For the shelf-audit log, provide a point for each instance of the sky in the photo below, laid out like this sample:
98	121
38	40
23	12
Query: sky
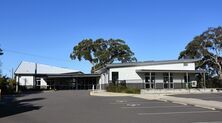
45	31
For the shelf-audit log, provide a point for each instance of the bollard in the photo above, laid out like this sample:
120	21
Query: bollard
92	87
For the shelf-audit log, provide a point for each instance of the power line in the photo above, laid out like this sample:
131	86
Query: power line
35	55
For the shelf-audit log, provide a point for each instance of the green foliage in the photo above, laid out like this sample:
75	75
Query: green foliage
132	90
7	85
101	52
122	89
208	48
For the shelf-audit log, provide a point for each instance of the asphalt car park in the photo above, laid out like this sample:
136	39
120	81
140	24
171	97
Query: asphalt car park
211	96
79	107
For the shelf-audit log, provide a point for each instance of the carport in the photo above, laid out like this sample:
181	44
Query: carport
75	81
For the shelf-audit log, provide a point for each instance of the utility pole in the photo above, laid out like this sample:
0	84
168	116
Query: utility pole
12	73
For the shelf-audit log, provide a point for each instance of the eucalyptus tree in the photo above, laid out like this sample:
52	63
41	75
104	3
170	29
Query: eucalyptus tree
208	48
100	52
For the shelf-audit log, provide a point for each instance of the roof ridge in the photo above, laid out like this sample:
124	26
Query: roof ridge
48	65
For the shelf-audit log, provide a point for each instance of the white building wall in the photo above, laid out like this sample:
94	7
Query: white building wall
129	73
43	82
25	80
29	81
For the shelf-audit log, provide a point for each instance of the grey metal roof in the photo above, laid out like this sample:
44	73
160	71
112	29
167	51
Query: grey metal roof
172	71
151	63
74	75
36	68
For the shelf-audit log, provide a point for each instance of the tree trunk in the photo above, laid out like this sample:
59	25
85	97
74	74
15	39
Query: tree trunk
219	71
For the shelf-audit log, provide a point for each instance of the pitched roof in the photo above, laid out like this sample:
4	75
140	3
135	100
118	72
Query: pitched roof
144	63
30	68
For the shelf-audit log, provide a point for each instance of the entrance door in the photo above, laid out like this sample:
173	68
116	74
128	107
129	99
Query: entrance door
167	80
37	83
115	77
150	80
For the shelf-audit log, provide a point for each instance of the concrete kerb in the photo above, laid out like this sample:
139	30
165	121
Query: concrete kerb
103	93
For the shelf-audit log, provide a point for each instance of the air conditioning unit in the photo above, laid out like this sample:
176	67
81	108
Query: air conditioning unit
194	84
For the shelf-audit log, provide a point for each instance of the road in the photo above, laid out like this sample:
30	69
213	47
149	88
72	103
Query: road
79	107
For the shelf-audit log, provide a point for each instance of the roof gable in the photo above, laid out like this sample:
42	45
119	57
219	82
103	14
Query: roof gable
30	68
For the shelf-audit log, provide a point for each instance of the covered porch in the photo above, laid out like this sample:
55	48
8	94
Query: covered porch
73	82
170	79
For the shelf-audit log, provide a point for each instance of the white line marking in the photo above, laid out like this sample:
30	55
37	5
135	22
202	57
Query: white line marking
135	102
155	107
132	105
121	101
167	113
209	122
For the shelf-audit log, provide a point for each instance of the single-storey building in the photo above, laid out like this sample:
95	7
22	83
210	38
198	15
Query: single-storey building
166	74
152	74
31	75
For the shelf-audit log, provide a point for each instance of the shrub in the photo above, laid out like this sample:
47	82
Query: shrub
122	89
133	90
7	85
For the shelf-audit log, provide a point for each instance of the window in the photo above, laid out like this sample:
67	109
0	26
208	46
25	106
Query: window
185	78
150	84
165	80
171	80
38	82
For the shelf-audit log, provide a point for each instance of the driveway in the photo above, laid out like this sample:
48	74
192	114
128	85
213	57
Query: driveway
79	107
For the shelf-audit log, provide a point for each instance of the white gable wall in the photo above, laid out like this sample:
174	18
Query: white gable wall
29	81
43	82
25	80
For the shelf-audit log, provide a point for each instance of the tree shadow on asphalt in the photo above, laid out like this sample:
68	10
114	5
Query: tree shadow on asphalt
10	106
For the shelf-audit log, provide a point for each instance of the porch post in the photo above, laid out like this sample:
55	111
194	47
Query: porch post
169	80
17	84
204	80
187	84
150	81
100	87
